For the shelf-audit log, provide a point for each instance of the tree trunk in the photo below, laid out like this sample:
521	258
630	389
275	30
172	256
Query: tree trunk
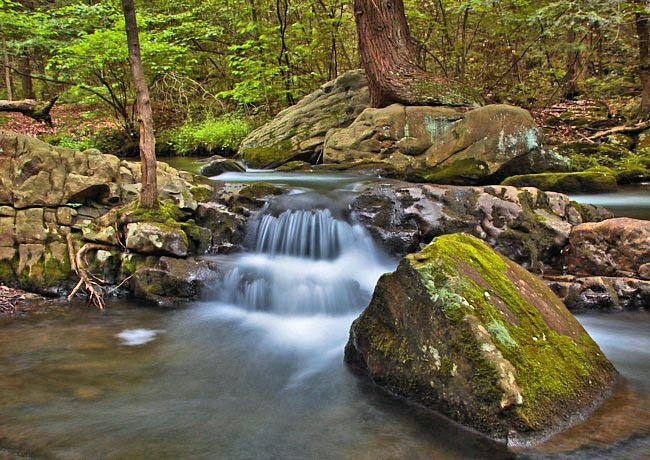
389	57
643	31
26	78
5	63
572	66
26	63
39	111
149	191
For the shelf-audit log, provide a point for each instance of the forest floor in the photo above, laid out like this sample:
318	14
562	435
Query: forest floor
81	126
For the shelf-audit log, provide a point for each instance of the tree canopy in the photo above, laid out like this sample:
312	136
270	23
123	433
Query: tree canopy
209	57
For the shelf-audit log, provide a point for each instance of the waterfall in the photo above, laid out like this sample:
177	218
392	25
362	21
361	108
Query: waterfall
304	261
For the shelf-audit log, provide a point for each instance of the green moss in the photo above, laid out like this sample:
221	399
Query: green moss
7	272
587	181
456	173
259	190
294	166
551	367
56	269
268	156
202	194
165	211
500	332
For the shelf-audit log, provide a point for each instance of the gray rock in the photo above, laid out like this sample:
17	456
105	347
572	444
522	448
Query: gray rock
601	292
174	280
156	238
444	145
526	225
298	132
462	330
218	166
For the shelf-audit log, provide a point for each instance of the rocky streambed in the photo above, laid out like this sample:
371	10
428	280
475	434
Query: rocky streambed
289	260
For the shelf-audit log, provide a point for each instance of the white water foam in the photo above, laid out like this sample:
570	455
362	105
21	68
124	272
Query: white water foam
135	337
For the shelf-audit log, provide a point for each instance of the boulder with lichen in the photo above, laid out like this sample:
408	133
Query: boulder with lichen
462	330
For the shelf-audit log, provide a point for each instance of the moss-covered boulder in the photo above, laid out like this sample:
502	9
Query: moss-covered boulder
174	280
444	145
298	132
156	238
462	330
574	182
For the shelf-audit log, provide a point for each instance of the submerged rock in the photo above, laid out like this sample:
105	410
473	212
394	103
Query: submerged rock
298	132
574	182
444	145
462	330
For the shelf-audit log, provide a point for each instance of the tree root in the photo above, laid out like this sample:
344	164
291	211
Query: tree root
90	282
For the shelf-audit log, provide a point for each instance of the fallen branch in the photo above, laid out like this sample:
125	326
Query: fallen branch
94	295
621	129
39	111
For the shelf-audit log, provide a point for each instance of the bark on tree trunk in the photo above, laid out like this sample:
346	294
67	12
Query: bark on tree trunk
389	57
39	111
573	64
149	191
643	31
26	63
5	63
26	78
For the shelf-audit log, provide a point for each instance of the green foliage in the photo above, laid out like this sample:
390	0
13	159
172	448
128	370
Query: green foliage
209	135
213	57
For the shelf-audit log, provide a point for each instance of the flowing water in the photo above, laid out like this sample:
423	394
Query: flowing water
258	371
630	201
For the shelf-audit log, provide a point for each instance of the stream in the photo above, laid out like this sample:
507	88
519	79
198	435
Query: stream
258	373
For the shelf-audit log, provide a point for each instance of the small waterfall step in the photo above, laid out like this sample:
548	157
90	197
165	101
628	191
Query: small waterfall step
304	261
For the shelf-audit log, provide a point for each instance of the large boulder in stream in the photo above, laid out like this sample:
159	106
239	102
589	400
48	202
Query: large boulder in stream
445	145
298	132
460	329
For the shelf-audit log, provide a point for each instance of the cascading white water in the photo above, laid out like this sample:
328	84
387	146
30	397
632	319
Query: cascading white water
304	262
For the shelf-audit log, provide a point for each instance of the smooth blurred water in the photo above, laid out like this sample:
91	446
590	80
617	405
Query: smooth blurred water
630	201
258	372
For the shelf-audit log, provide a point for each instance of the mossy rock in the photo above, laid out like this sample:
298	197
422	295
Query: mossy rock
576	182
462	330
166	210
460	172
295	166
41	268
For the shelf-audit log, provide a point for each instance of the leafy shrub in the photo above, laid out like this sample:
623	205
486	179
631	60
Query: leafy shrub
224	133
68	141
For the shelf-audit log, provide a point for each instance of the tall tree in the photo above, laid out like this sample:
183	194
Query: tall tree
149	191
26	63
7	69
389	56
643	31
